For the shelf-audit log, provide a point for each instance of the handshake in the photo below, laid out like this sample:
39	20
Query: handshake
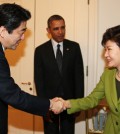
58	105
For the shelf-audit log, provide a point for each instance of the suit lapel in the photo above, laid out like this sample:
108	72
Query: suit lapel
50	51
51	55
113	87
66	54
1	49
5	64
66	50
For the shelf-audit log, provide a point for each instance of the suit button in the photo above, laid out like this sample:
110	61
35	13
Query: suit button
116	110
116	123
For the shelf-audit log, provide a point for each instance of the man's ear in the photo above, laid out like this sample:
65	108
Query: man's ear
48	30
2	31
48	34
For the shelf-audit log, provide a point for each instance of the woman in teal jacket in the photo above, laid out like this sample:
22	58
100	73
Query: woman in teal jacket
109	85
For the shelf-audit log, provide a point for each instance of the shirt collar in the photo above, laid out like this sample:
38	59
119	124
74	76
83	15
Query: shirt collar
3	48
54	43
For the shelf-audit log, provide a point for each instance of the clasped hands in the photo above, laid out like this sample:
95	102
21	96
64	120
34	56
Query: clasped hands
58	105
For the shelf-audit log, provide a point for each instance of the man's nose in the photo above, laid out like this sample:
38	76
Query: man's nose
22	37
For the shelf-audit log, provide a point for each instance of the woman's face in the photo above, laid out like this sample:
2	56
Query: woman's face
112	54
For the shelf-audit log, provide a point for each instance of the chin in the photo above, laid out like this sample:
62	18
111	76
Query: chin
13	48
110	66
60	40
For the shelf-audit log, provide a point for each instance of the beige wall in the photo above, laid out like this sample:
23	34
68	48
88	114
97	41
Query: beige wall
108	16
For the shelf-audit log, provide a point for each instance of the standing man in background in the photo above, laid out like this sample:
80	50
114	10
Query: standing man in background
13	21
58	70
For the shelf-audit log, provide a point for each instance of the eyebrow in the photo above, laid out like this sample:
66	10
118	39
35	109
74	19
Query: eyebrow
24	29
56	28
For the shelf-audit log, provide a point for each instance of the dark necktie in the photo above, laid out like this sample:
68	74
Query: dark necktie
59	58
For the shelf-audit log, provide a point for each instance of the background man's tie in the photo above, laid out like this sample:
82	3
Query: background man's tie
59	58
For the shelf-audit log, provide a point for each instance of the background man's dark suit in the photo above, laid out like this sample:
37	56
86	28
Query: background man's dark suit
48	80
11	94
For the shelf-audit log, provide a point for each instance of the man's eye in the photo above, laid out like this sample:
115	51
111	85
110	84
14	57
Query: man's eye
109	49
55	29
105	49
63	27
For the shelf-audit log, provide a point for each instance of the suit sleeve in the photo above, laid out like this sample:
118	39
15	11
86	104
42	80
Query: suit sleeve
88	102
38	73
79	74
11	94
91	101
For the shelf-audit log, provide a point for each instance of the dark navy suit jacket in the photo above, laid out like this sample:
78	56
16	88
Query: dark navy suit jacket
10	93
48	80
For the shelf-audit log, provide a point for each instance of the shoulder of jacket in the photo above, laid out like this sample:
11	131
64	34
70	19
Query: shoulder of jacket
70	42
43	45
109	71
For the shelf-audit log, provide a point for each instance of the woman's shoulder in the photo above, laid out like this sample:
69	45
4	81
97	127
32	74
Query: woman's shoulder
109	71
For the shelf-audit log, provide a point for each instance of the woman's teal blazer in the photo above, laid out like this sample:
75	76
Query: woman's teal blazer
106	88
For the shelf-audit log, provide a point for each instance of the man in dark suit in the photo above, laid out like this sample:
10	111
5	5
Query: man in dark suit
58	69
13	19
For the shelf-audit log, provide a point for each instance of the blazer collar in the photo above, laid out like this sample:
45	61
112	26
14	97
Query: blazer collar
66	49
1	48
114	92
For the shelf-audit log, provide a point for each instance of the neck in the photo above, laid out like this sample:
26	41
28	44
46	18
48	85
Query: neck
118	70
118	73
